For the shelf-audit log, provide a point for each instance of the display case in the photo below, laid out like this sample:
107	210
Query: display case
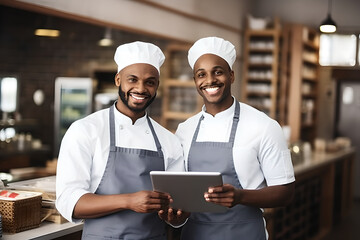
73	100
19	148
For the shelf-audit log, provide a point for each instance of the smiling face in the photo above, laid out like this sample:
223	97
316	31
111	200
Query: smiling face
137	84
213	78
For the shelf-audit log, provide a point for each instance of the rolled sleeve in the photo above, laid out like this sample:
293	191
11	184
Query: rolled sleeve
275	157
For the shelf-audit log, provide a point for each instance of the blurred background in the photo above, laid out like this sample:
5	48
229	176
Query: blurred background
56	66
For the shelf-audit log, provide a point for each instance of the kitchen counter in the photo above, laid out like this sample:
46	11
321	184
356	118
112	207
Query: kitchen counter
323	196
320	159
324	190
47	230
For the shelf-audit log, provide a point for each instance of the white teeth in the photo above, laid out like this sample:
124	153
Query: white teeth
213	89
138	98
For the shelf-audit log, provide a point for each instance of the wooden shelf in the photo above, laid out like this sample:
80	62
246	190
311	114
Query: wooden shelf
28	151
180	99
309	95
263	32
307	125
262	50
261	64
310	79
311	61
16	153
258	94
259	80
26	123
179	83
303	66
311	44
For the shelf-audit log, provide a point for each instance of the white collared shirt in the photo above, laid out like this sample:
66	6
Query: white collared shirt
261	155
85	149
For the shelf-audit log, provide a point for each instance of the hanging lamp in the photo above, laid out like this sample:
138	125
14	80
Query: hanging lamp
47	30
107	40
328	25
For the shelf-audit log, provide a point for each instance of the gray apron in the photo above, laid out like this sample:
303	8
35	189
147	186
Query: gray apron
239	222
127	171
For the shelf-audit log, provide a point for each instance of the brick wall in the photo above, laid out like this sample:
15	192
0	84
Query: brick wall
38	61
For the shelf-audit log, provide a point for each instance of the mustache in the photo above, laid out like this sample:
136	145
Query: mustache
211	85
140	94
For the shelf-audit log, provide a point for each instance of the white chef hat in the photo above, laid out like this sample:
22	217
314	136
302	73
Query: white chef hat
138	52
212	45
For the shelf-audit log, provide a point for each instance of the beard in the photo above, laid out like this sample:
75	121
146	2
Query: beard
125	99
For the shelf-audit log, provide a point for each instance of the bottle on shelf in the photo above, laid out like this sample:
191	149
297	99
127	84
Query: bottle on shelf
180	99
260	70
303	82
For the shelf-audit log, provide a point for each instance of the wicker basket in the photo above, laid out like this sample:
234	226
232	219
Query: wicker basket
21	214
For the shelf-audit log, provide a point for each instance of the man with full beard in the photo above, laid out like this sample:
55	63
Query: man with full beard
105	158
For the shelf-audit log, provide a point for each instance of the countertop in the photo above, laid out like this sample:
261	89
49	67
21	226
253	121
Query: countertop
50	230
319	159
47	230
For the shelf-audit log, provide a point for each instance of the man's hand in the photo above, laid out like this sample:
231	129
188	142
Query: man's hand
226	195
174	217
148	201
267	197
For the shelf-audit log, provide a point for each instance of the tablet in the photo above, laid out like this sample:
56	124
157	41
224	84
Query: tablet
187	189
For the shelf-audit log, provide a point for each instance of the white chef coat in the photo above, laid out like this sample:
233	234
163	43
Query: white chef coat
85	149
261	155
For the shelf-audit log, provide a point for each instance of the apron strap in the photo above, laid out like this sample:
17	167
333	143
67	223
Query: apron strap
112	128
197	129
112	132
235	123
157	142
233	128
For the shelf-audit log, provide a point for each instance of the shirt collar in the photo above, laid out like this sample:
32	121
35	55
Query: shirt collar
125	120
221	115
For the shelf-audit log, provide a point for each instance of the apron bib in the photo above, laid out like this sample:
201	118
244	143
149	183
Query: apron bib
127	171
239	222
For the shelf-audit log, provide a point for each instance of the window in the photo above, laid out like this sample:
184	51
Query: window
8	94
338	50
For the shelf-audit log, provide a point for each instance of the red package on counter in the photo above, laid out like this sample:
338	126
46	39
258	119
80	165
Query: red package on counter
3	193
8	194
13	195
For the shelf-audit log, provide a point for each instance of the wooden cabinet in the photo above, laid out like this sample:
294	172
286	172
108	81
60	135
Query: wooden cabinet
303	82
260	70
180	99
280	76
323	196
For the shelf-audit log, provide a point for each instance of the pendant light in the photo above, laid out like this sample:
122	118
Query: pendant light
107	40
47	30
328	25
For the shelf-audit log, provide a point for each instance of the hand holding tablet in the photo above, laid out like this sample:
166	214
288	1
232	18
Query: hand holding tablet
187	189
